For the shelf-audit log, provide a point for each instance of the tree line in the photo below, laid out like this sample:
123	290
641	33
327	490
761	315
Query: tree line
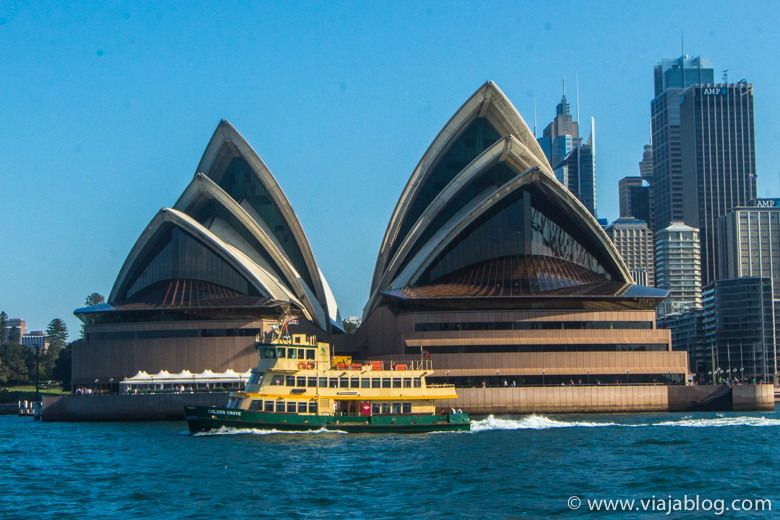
17	361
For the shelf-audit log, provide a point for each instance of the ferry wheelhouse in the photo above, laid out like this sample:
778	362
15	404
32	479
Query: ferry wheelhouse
299	384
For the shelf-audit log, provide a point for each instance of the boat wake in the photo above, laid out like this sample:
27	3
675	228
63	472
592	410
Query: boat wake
540	422
720	422
223	430
530	422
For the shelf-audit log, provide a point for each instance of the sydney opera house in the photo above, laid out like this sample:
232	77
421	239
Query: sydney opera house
206	276
488	264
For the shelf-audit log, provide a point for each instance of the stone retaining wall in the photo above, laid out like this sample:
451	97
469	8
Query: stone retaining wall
147	407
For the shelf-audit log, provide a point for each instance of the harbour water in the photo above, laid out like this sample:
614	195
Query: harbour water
507	467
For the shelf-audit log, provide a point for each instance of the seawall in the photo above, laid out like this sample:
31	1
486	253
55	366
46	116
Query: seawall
519	400
604	399
147	407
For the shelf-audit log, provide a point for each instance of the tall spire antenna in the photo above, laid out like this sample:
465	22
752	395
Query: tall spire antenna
579	171
564	86
535	134
650	126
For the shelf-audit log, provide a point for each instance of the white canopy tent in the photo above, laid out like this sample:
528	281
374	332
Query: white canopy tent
164	380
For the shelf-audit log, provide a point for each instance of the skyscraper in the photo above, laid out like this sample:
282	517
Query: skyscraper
718	159
634	241
561	136
672	77
636	193
749	241
574	165
577	171
739	326
678	267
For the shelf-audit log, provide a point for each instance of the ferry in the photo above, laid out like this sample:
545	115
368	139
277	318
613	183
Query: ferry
300	385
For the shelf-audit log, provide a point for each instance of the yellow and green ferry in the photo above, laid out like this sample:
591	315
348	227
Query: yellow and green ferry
300	385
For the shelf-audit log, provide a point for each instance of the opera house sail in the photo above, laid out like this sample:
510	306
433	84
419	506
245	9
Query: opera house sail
207	275
492	265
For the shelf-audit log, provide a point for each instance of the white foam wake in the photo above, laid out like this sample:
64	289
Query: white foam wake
223	430
530	422
721	422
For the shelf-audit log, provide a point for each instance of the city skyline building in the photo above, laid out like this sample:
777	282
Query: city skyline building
671	78
36	339
646	164
688	335
678	267
717	158
573	163
15	329
739	326
634	241
626	189
749	241
561	136
636	193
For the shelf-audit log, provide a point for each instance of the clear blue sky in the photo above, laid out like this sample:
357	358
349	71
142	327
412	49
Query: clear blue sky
105	111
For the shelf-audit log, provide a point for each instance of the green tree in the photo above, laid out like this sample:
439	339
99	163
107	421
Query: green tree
15	360
4	373
57	336
14	335
349	326
94	299
3	327
62	366
90	301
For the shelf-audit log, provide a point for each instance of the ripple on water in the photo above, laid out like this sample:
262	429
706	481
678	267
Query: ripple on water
526	466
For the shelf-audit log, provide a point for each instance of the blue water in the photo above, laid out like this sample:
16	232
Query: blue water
507	467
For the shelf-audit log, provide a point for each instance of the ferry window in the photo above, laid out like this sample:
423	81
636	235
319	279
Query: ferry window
323	382
312	382
291	353
254	378
256	405
386	382
407	408
291	407
300	381
309	353
290	380
269	406
396	407
407	382
277	380
313	407
354	382
269	353
417	382
376	382
365	382
280	406
302	407
300	353
280	352
334	382
344	382
396	382
375	408
385	407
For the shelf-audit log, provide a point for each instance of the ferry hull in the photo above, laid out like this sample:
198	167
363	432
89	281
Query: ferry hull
202	419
